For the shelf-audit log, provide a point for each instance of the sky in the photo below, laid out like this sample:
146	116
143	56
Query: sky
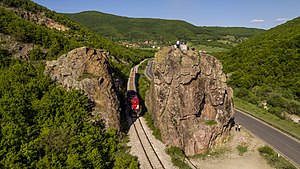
263	14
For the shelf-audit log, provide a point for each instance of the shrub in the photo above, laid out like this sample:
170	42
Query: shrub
177	157
210	122
150	123
273	159
242	148
126	161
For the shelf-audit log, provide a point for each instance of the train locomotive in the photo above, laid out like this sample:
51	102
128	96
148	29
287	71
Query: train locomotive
134	103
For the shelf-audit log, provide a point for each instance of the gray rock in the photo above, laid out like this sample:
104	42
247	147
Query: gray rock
88	70
187	91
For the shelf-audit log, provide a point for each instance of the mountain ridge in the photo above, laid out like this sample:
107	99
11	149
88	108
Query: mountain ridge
160	30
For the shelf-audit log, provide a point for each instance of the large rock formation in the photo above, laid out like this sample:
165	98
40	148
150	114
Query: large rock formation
88	70
189	99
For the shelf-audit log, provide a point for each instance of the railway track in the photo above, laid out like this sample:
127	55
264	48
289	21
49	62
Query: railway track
153	160
150	152
148	157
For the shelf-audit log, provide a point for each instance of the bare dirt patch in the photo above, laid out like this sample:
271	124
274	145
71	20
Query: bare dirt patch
229	157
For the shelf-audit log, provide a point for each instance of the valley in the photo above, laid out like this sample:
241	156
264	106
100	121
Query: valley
147	32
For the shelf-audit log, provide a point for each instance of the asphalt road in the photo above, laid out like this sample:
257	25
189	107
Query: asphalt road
285	145
149	69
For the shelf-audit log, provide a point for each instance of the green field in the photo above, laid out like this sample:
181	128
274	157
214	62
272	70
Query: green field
209	49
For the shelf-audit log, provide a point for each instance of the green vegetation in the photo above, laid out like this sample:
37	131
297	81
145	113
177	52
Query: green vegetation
160	31
155	131
177	157
242	148
209	49
43	125
57	42
125	161
266	68
286	126
142	88
216	152
143	82
210	122
273	159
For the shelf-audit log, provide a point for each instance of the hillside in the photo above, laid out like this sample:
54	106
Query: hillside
159	30
268	65
18	22
43	125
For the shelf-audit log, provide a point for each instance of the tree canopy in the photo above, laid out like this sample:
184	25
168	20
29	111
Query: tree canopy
43	125
268	66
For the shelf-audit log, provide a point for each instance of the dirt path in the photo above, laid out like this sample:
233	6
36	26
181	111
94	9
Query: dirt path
229	157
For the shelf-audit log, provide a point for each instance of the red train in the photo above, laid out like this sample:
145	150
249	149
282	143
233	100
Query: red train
134	103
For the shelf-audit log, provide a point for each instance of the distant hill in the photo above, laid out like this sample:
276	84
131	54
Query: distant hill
161	30
269	65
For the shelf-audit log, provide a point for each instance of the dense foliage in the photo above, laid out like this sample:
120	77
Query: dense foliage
58	42
43	125
159	30
143	86
177	157
266	68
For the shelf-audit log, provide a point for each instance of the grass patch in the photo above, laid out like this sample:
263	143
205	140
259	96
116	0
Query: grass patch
209	49
210	122
142	88
143	66
286	126
274	160
216	152
242	148
150	123
177	157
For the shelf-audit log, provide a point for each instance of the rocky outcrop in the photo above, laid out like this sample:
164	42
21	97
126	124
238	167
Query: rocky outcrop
88	70
39	18
189	100
17	49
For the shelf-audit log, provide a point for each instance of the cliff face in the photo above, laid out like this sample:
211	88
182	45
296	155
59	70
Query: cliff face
189	99
88	70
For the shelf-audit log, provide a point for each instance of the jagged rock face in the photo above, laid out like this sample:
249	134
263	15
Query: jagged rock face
188	92
88	70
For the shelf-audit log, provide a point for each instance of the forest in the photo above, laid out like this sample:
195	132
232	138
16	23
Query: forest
57	42
160	30
43	125
266	68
